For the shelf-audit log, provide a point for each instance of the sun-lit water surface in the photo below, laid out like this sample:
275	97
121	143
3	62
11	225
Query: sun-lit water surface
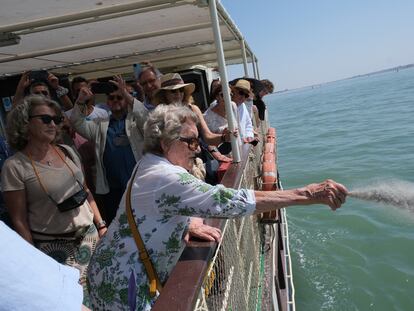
358	132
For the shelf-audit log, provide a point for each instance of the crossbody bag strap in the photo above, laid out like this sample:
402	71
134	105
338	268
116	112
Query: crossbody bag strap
154	282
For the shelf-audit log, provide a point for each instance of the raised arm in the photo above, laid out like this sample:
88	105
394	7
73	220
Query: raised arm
86	128
120	83
61	92
24	82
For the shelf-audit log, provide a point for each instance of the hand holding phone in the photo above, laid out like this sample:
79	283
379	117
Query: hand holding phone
137	70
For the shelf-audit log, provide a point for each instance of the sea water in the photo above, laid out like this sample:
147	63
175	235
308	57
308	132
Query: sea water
359	132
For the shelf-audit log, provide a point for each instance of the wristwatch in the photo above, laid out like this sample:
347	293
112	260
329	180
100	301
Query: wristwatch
101	224
61	91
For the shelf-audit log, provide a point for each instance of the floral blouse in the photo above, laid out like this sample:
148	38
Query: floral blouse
163	198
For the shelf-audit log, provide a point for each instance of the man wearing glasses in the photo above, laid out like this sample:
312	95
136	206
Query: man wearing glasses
118	143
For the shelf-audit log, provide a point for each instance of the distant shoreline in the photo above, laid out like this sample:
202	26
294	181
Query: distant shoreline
398	68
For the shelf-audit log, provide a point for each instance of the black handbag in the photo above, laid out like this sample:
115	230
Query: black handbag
74	200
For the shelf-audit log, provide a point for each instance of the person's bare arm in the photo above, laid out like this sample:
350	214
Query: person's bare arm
16	206
209	137
61	92
24	82
97	218
328	192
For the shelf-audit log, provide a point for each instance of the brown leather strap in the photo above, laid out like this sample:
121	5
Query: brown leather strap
154	282
38	176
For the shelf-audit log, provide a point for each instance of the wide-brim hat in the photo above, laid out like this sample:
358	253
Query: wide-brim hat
173	81
243	85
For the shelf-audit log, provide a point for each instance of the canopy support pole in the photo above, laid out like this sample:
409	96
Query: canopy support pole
243	46
254	65
257	68
224	81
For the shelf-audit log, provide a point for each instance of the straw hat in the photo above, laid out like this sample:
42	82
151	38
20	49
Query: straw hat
173	81
243	85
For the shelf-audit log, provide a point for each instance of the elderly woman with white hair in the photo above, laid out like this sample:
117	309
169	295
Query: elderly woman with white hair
160	199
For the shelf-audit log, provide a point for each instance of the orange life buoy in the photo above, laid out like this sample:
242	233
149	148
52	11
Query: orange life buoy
269	157
271	131
269	176
269	148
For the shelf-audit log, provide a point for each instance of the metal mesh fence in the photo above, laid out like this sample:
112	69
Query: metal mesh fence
233	280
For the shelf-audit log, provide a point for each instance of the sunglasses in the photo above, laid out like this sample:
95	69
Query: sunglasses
192	142
180	90
44	93
47	119
222	95
241	93
113	97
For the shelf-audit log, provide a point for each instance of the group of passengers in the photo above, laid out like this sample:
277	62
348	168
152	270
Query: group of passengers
83	179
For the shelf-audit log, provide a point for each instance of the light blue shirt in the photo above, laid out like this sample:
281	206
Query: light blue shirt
31	280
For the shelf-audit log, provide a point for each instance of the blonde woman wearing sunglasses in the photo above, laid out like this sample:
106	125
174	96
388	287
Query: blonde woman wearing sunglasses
44	190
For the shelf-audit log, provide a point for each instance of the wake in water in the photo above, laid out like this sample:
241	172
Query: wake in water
394	192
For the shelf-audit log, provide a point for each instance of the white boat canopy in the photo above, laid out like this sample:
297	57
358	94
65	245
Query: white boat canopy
97	38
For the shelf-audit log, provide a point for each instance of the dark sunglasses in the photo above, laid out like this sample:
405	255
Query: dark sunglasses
241	93
113	97
222	95
180	90
47	119
44	93
191	142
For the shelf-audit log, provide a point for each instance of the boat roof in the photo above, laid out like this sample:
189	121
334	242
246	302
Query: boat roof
97	38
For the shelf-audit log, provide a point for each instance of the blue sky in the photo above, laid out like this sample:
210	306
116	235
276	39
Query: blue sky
306	42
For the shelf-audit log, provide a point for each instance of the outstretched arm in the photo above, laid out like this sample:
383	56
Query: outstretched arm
328	192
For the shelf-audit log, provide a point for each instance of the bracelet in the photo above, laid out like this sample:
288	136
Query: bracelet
100	225
61	91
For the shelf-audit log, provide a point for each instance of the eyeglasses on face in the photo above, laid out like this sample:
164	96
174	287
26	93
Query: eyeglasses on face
47	119
180	90
222	95
44	93
192	142
113	97
241	93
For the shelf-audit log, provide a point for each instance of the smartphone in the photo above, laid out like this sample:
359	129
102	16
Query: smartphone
137	70
38	75
103	87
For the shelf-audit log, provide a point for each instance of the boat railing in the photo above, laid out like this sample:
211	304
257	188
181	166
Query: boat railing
249	269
